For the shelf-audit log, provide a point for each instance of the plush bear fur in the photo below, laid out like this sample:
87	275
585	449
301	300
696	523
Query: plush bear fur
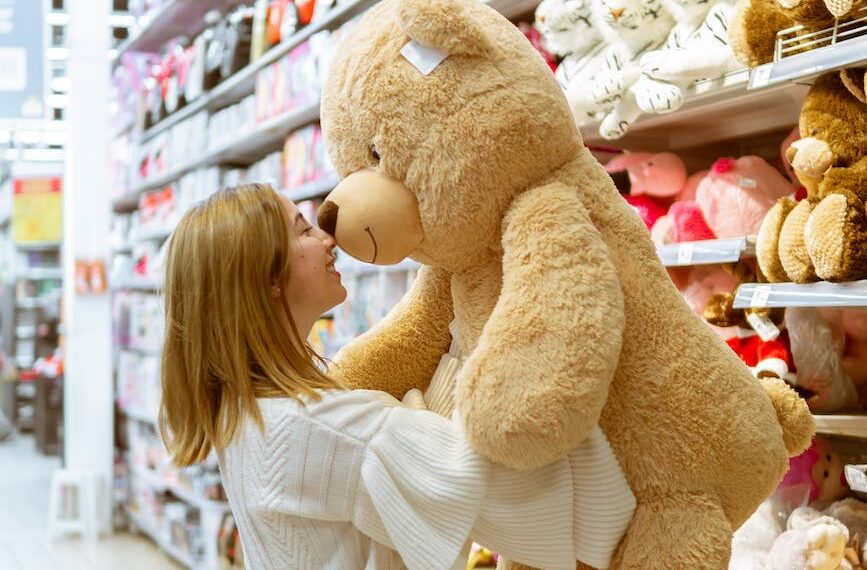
755	23
825	235
565	314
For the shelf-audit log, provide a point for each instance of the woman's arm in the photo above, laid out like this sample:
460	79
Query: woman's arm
419	488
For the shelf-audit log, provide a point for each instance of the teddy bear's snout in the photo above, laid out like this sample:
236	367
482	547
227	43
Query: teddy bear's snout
327	217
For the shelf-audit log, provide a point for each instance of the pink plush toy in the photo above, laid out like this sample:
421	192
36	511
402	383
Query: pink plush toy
736	194
648	209
855	352
661	175
688	223
815	475
691	186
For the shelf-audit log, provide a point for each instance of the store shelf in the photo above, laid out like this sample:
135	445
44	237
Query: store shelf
706	116
821	294
155	233
170	549
243	83
31	303
140	416
153	480
707	252
175	18
846	425
38	273
317	189
249	147
38	246
804	67
139	285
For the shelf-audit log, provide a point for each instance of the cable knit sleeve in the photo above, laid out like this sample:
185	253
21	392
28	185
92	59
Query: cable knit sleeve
418	488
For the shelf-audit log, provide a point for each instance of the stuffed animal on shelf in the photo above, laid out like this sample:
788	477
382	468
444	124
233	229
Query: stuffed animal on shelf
813	541
575	30
565	315
704	54
636	26
855	81
652	181
815	476
817	345
737	193
755	23
825	235
688	16
852	513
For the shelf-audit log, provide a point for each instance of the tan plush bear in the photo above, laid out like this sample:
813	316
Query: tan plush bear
825	235
458	149
755	23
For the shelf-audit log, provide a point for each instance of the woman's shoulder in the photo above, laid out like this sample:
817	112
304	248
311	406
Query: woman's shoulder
357	414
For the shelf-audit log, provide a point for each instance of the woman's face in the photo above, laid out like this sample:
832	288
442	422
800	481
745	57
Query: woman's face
314	285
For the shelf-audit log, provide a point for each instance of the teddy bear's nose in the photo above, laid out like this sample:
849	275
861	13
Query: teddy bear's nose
327	217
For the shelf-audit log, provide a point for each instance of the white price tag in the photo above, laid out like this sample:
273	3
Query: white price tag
764	327
761	75
685	252
749	183
424	58
856	477
760	296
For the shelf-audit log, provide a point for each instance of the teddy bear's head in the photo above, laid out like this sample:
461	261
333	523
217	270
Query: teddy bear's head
833	124
436	113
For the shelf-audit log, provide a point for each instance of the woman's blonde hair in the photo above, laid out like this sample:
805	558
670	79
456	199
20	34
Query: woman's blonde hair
227	339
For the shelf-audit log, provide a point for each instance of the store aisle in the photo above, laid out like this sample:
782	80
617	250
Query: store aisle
25	477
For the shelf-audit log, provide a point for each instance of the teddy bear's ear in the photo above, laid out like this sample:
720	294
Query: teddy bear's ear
447	25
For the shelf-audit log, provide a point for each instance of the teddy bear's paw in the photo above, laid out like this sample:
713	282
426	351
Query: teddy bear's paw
836	238
768	238
659	97
826	545
793	246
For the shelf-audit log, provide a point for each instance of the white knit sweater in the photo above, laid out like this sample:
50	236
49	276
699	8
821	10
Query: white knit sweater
350	482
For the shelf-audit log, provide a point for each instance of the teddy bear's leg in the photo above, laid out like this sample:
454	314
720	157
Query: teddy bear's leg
836	237
793	245
688	530
768	241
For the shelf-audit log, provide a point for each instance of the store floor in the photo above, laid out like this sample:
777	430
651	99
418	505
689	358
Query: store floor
25	477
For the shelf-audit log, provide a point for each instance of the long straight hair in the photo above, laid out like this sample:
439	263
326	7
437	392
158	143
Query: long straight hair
228	340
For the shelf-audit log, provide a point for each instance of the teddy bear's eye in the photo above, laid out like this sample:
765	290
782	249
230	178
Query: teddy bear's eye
373	153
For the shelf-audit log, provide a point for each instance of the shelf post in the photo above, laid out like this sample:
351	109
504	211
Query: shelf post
88	390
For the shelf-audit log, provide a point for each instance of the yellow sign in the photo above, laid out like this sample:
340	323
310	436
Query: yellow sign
37	210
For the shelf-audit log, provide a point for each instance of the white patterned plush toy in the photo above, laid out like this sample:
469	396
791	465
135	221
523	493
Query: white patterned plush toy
573	29
638	26
705	53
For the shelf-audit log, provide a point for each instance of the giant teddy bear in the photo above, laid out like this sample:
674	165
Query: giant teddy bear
457	148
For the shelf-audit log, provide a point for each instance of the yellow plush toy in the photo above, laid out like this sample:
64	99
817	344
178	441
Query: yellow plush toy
457	148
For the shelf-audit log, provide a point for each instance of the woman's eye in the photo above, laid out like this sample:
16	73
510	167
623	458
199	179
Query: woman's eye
373	153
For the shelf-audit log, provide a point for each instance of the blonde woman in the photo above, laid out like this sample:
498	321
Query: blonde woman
322	477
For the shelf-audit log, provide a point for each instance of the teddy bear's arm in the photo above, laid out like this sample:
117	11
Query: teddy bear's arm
403	350
852	179
537	381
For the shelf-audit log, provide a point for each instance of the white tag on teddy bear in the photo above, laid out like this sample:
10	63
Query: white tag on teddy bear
424	58
764	327
748	183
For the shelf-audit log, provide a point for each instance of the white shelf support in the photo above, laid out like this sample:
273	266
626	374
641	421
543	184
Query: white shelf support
821	294
88	389
706	252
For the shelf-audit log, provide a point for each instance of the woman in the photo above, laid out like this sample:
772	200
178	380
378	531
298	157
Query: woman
322	477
